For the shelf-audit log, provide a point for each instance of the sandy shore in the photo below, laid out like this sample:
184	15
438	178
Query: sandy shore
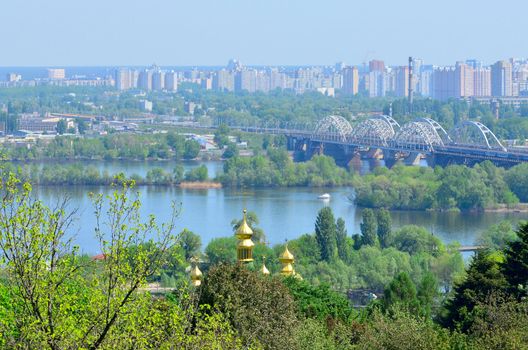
200	185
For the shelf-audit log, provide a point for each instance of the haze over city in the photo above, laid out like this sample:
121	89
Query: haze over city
273	32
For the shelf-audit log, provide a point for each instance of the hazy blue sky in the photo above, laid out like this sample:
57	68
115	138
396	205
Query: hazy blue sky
209	32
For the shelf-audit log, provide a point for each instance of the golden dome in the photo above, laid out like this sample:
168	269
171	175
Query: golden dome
286	256
287	260
246	243
196	276
264	269
287	270
244	231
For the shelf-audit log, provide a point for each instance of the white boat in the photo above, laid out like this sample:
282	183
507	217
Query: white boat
324	196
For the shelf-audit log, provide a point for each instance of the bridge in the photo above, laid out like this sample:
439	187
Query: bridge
382	137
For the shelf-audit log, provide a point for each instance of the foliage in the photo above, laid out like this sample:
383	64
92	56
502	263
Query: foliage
483	279
280	170
497	236
65	300
191	243
453	187
369	228
384	227
258	307
325	233
319	302
515	267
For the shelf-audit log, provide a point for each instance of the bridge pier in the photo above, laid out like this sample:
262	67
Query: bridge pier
413	158
390	158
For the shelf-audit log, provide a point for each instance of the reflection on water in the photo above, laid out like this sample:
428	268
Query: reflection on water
283	213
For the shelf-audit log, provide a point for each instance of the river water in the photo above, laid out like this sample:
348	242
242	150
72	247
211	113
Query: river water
284	213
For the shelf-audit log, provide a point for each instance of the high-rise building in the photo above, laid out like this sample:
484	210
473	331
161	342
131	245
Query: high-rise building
56	73
158	80
425	83
171	81
473	63
123	79
350	80
463	80
145	80
245	80
482	82
501	79
376	66
277	79
206	83
444	83
402	81
377	84
224	80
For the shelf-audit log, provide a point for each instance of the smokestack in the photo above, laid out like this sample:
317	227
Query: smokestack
410	85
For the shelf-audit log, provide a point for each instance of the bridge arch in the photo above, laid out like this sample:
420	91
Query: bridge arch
421	134
378	130
333	126
475	134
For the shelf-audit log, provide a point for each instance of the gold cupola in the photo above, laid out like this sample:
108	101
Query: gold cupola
287	260
264	270
245	244
196	276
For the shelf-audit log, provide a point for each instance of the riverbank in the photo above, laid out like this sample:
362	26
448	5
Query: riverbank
200	185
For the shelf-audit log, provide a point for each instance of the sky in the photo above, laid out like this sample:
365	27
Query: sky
258	32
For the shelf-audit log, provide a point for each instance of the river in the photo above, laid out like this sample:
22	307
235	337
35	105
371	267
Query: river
284	213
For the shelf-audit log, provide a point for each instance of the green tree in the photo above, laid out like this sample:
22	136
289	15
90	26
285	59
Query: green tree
62	126
81	126
401	292
515	267
222	249
191	149
71	302
483	278
384	227
344	243
191	243
258	307
369	228
230	151
496	237
199	173
325	232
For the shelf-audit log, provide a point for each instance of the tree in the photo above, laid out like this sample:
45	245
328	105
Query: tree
515	267
192	149
401	292
71	301
258	307
222	249
496	237
197	174
231	151
384	227
415	239
369	228
81	126
178	173
344	243
191	243
325	232
483	278
62	127
427	293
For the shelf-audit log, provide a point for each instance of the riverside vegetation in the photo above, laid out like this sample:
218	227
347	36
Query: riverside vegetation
53	297
459	187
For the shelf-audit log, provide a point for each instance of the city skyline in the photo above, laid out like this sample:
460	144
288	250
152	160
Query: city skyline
274	32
